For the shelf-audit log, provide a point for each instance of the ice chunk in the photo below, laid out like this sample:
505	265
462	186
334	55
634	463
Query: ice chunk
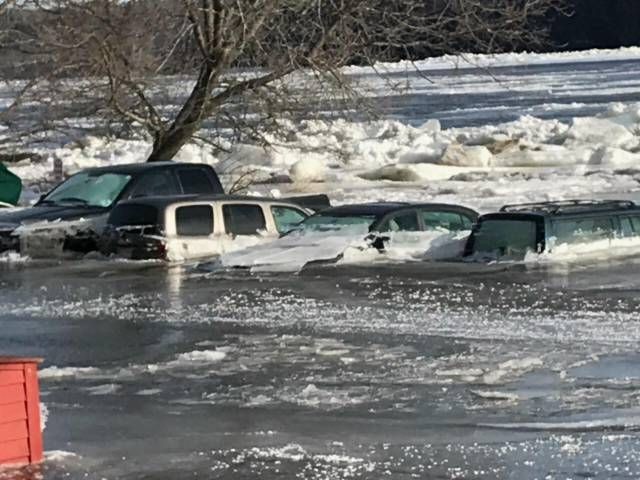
599	131
615	157
464	156
308	170
393	173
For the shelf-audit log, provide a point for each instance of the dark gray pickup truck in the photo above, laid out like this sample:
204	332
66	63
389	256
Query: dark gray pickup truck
71	217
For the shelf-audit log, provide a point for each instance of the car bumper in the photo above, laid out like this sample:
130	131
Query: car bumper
133	246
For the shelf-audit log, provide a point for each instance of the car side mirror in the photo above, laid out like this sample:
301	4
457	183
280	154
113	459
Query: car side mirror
378	241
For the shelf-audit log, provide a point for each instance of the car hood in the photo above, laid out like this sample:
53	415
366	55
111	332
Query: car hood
292	252
15	217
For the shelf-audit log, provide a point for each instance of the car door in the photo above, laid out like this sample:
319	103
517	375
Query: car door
193	232
245	225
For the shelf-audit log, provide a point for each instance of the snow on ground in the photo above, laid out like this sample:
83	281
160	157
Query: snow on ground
471	60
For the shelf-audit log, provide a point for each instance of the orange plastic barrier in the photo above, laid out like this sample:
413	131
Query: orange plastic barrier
20	433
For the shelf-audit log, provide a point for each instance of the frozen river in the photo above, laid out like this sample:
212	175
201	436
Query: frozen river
420	371
468	96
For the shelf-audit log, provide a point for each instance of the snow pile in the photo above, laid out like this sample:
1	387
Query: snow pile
98	152
342	152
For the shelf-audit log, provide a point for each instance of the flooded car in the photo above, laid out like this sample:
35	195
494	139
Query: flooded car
325	236
185	228
71	217
538	228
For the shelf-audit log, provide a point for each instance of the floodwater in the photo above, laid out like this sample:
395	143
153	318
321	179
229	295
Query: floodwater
398	371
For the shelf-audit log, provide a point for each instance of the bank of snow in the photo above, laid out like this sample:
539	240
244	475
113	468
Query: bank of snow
479	60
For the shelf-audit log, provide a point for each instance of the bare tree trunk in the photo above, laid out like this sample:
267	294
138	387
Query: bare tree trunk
168	143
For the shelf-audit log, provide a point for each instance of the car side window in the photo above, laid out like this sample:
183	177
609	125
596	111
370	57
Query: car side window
155	183
194	221
451	221
583	229
626	227
243	219
286	218
635	222
195	180
402	222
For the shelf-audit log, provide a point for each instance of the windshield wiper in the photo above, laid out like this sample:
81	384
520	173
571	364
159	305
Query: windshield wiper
74	200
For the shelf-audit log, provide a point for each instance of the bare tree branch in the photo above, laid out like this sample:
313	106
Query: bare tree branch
168	69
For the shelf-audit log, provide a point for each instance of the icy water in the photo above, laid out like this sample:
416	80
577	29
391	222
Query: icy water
401	371
471	96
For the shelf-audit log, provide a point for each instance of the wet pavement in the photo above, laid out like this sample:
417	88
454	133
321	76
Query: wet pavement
399	371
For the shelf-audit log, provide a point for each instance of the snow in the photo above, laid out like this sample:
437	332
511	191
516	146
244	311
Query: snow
44	416
308	170
54	372
596	250
292	252
59	456
199	356
506	60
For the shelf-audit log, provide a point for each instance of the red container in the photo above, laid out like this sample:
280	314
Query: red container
20	434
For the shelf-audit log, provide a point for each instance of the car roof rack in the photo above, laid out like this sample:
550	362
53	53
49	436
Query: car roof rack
568	206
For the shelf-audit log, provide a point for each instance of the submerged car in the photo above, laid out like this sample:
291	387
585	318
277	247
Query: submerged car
393	217
190	227
324	237
517	230
72	215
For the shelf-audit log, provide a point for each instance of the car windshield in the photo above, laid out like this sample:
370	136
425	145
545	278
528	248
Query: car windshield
89	189
324	222
505	238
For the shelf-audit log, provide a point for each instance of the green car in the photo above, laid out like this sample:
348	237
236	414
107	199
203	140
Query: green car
10	187
537	227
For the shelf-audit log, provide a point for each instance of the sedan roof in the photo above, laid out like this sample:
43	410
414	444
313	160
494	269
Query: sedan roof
379	209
